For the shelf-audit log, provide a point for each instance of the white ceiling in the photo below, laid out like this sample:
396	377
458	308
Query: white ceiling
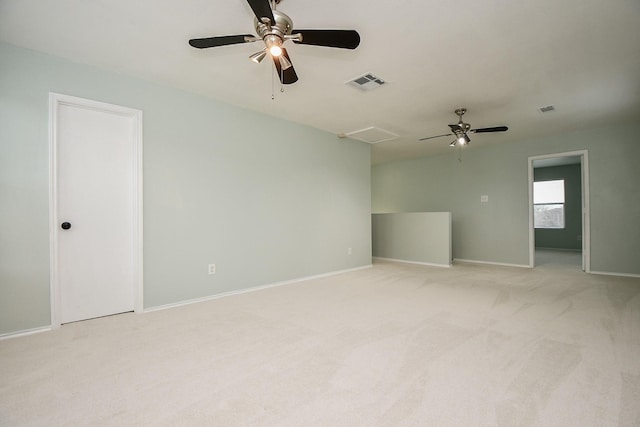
501	60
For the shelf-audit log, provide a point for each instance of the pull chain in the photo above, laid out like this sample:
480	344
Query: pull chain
273	79
273	97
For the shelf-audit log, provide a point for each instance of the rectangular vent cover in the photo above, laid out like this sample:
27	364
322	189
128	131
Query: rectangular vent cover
372	135
366	82
547	109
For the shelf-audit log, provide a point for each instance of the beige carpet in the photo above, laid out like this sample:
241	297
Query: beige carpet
394	345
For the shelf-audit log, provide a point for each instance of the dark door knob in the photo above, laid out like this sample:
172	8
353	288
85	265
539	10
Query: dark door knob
65	225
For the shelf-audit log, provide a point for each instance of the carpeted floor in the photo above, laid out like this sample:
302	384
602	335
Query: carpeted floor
567	260
393	345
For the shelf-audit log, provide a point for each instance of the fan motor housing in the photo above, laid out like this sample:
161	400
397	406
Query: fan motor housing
283	26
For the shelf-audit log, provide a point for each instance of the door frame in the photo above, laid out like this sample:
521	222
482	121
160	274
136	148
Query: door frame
55	101
586	209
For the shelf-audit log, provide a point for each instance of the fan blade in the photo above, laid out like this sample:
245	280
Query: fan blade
219	41
493	129
431	137
344	39
262	9
288	75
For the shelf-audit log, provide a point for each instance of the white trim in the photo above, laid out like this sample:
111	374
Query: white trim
586	207
586	214
502	264
54	295
138	158
252	289
428	264
25	332
558	249
56	100
611	273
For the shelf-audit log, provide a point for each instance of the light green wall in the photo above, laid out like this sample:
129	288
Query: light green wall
569	237
265	199
498	231
422	237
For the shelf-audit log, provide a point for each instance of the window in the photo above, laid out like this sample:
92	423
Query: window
548	204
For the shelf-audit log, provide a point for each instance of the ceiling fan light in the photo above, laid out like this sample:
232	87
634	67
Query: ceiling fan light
461	139
274	44
275	50
284	62
258	56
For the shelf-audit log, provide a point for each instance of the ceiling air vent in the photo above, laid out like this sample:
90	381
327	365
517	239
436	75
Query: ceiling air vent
366	82
547	109
372	135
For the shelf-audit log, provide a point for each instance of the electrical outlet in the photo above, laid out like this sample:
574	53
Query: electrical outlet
349	251
212	269
484	199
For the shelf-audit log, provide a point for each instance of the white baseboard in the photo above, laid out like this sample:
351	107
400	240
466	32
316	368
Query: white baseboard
473	261
253	289
612	273
25	332
429	264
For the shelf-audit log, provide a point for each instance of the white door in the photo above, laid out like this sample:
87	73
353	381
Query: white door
96	190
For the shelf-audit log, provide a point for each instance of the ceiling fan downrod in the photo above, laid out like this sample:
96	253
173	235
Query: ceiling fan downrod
461	129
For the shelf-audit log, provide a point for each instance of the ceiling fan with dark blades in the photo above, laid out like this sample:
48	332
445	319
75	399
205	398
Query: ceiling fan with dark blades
274	28
461	129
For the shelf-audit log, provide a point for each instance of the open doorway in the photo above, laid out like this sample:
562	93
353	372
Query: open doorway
559	210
